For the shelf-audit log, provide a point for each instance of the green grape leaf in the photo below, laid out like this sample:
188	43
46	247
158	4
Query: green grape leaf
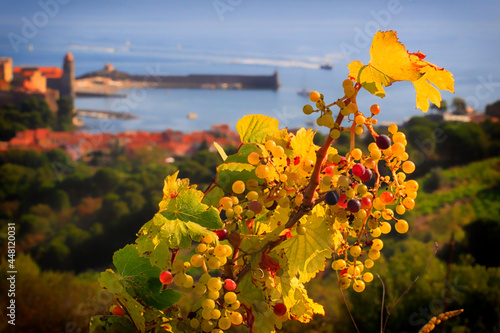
161	233
241	156
110	281
255	128
228	173
213	196
139	275
188	207
100	324
307	253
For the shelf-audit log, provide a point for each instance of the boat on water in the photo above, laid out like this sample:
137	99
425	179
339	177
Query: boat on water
192	115
303	92
326	66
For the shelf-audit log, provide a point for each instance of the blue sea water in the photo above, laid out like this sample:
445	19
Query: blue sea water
258	38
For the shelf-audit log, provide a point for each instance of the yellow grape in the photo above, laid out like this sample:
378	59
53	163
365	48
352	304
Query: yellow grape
359	130
355	251
270	144
376	154
308	165
352	108
207	238
229	250
278	152
401	226
215	314
375	232
401	176
200	289
404	156
372	146
393	128
368	277
412	185
213	263
409	203
262	171
339	264
213	294
235	305
346	83
358	286
224	323
385	227
204	278
377	244
400	209
252	184
308	109
369	263
188	282
197	260
378	204
360	119
356	153
208	304
220	251
230	297
335	134
314	96
238	210
206	314
178	265
194	323
253	158
387	214
408	167
344	282
238	187
374	254
207	325
236	318
398	149
349	91
355	271
226	203
328	121
252	196
399	137
214	284
179	279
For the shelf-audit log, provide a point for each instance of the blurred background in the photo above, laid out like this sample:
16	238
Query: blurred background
100	100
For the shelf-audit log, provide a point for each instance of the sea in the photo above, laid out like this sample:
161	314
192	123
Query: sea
158	109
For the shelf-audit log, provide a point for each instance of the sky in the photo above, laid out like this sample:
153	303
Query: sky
462	36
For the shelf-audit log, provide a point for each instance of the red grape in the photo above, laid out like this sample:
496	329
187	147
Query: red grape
166	277
383	141
279	309
367	175
366	203
221	234
354	205
117	311
229	284
358	169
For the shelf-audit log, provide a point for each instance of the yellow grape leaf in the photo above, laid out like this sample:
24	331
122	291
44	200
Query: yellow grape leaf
391	62
221	151
307	253
296	299
171	187
256	127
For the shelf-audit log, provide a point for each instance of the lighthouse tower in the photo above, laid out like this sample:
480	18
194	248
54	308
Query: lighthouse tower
67	86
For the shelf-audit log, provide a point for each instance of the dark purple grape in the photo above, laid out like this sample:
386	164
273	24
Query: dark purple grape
353	205
358	169
367	175
221	234
331	198
383	141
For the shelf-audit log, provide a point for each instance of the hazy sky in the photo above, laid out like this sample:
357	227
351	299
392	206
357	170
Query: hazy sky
462	36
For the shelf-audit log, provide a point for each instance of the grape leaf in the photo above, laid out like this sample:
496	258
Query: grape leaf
161	233
110	281
171	187
111	324
221	151
307	253
213	196
187	207
296	299
228	173
252	296
391	62
241	156
256	128
138	275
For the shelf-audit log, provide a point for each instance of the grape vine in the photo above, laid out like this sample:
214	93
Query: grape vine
278	211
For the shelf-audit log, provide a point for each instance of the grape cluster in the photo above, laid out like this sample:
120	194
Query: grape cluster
362	190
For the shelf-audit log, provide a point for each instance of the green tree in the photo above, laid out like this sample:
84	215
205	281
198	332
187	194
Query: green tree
459	106
65	114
